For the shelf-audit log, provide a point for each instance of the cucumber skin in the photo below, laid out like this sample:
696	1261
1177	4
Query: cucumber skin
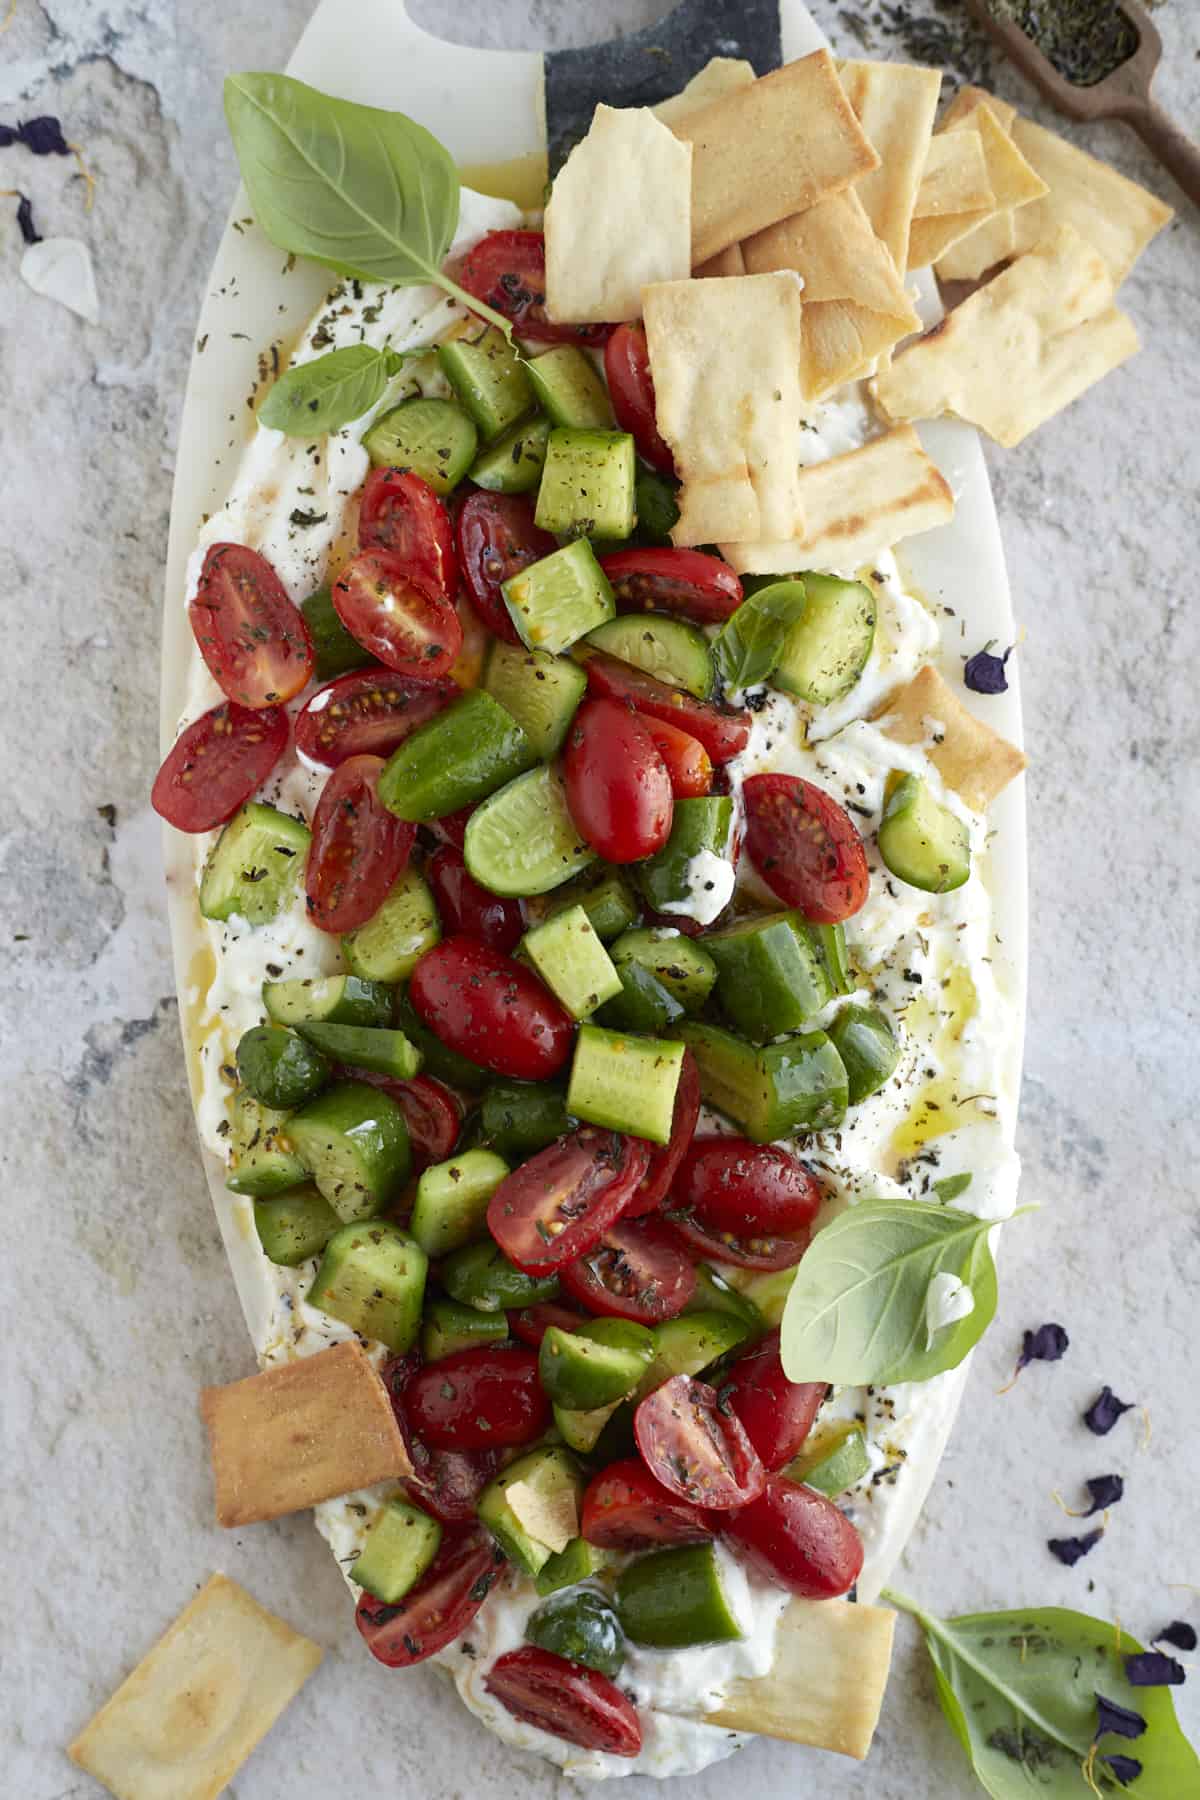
418	1535
514	463
912	812
278	1068
866	1043
673	1598
358	1001
459	758
368	1312
377	1131
292	1228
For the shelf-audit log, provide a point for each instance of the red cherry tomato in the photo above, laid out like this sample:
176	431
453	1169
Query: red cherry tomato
497	538
483	1399
637	1271
687	582
531	1323
666	1158
805	847
723	732
744	1253
410	630
631	390
447	1483
696	1449
799	1539
625	1508
507	270
253	640
216	763
453	828
367	713
440	1607
358	848
777	1413
430	1111
689	765
491	1009
618	789
749	1190
559	1203
565	1699
401	513
464	906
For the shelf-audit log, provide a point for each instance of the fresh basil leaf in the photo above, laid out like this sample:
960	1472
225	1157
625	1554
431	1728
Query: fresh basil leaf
749	644
856	1310
320	395
1020	1690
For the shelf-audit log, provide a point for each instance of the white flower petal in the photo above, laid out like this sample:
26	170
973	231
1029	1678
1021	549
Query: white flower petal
60	268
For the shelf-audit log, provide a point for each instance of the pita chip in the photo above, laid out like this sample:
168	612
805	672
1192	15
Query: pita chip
763	152
725	357
995	240
971	758
855	505
1019	349
725	262
181	1726
720	75
629	166
955	196
1116	216
895	104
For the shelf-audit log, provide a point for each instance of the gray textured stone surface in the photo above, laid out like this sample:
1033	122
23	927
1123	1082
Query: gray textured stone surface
116	1298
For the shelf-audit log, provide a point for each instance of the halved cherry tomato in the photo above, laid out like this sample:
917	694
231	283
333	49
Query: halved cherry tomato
695	1448
358	848
401	513
559	1203
531	1323
689	583
464	906
367	713
491	1009
723	732
805	847
637	1271
625	1508
688	762
497	538
447	1483
216	763
507	270
254	641
452	829
749	1190
408	628
484	1399
799	1539
666	1158
440	1607
777	1413
744	1253
631	390
565	1699
430	1111
618	789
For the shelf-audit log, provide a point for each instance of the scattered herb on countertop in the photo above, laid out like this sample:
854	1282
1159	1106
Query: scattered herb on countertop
1104	1412
1084	39
1070	1550
985	673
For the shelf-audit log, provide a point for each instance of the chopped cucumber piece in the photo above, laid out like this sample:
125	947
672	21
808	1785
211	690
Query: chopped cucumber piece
395	938
714	1293
336	652
830	941
450	1209
539	690
572	961
482	1276
795	1086
278	1068
578	1562
570	390
254	866
489	379
588	485
580	1431
519	1118
460	757
684	967
372	1278
551	1473
587	1369
365	1047
560	598
434	438
400	1546
866	1043
767	1292
523	839
294	1227
583	1627
673	1598
354	1143
448	1328
514	463
609	903
825	651
626	1083
771	977
644	1004
669	649
922	842
262	1159
657	507
338	999
833	1463
439	1059
699	826
688	1344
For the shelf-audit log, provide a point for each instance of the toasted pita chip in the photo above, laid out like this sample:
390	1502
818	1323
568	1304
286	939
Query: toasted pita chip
769	150
629	166
971	758
855	505
895	104
955	196
302	1432
855	304
550	1519
1116	216
725	357
726	262
181	1726
1018	350
995	240
720	75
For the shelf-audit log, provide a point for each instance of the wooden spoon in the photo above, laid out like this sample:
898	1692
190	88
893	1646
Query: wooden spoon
1125	94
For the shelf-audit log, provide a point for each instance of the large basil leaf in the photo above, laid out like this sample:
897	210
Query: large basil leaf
330	391
749	644
1020	1690
856	1310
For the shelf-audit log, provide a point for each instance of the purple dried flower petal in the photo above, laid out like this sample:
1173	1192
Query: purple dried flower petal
1069	1549
1047	1344
1153	1668
1104	1412
1121	1721
8	135
44	136
28	229
1125	1768
1105	1490
1180	1634
984	672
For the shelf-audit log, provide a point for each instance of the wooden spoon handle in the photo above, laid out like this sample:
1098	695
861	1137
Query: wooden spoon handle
1173	148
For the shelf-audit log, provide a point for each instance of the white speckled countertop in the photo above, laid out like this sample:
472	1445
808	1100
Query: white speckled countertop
117	1303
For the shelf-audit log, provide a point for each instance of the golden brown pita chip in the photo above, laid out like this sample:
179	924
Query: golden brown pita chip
1019	349
971	758
895	104
995	240
726	262
1116	216
299	1433
769	150
181	1726
954	197
720	75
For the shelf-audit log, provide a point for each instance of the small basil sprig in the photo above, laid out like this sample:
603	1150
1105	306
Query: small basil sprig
749	644
331	390
369	193
1020	1690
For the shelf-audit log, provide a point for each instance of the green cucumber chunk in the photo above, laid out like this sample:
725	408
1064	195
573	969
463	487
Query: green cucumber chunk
669	649
559	599
688	1344
254	866
278	1068
519	1118
583	1627
436	439
489	379
372	1278
797	1085
580	1431
336	652
683	966
370	1047
353	1141
439	1059
771	978
539	690
921	841
866	1043
831	1469
767	1291
262	1159
514	463
582	1374
657	507
714	1294
449	1327
294	1227
625	1082
460	757
523	840
395	938
482	1276
399	1547
450	1209
644	1004
701	825
825	651
587	485
830	942
609	903
673	1598
572	961
553	1474
579	1561
569	389
338	999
